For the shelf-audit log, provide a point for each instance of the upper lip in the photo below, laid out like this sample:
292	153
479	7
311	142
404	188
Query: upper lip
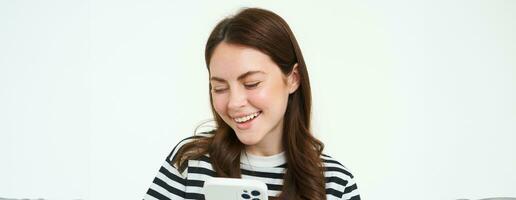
243	115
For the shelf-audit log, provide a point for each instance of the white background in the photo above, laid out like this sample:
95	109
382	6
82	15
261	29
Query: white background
417	98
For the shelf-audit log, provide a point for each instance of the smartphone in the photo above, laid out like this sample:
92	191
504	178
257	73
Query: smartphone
234	189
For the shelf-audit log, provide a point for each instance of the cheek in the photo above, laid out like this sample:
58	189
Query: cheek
219	103
266	97
259	97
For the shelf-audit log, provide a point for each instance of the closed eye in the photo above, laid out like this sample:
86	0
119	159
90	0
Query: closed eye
252	85
221	90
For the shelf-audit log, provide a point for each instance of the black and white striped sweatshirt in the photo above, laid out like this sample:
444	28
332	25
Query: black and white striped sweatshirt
169	183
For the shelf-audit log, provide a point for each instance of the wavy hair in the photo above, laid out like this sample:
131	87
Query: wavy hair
269	33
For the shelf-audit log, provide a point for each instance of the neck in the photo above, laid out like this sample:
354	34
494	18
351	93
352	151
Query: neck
258	151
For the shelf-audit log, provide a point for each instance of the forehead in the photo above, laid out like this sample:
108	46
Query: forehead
229	61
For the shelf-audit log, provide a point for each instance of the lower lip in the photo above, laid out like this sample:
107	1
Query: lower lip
247	124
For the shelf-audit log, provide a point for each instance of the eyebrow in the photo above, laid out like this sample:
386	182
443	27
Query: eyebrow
242	76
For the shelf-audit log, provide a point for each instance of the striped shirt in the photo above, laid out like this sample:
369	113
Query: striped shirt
171	184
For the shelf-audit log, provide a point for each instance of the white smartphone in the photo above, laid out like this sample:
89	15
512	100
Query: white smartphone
234	189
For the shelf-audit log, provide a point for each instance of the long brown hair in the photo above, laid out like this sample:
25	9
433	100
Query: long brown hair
269	33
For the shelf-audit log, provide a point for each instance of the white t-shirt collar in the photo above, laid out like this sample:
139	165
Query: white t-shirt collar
263	161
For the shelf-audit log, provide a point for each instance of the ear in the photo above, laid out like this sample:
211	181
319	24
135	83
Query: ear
293	79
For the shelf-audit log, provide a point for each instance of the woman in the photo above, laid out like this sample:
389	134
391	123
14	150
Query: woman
260	97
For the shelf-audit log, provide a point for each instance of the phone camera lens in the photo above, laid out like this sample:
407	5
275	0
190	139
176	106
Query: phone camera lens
255	193
246	196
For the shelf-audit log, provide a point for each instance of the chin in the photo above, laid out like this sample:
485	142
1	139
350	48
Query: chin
248	140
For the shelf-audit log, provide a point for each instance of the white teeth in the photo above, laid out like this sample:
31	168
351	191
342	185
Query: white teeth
246	118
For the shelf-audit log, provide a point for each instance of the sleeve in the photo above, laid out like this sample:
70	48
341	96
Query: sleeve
351	191
169	183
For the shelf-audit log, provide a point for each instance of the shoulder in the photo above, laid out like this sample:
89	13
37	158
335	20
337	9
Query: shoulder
171	156
336	173
340	182
332	165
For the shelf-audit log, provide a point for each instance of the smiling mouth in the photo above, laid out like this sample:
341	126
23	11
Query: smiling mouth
247	118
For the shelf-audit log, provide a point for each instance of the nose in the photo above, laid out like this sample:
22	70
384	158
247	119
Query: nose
237	99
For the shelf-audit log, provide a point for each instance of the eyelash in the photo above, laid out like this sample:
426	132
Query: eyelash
248	86
219	90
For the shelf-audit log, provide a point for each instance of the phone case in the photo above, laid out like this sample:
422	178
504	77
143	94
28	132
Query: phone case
234	189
